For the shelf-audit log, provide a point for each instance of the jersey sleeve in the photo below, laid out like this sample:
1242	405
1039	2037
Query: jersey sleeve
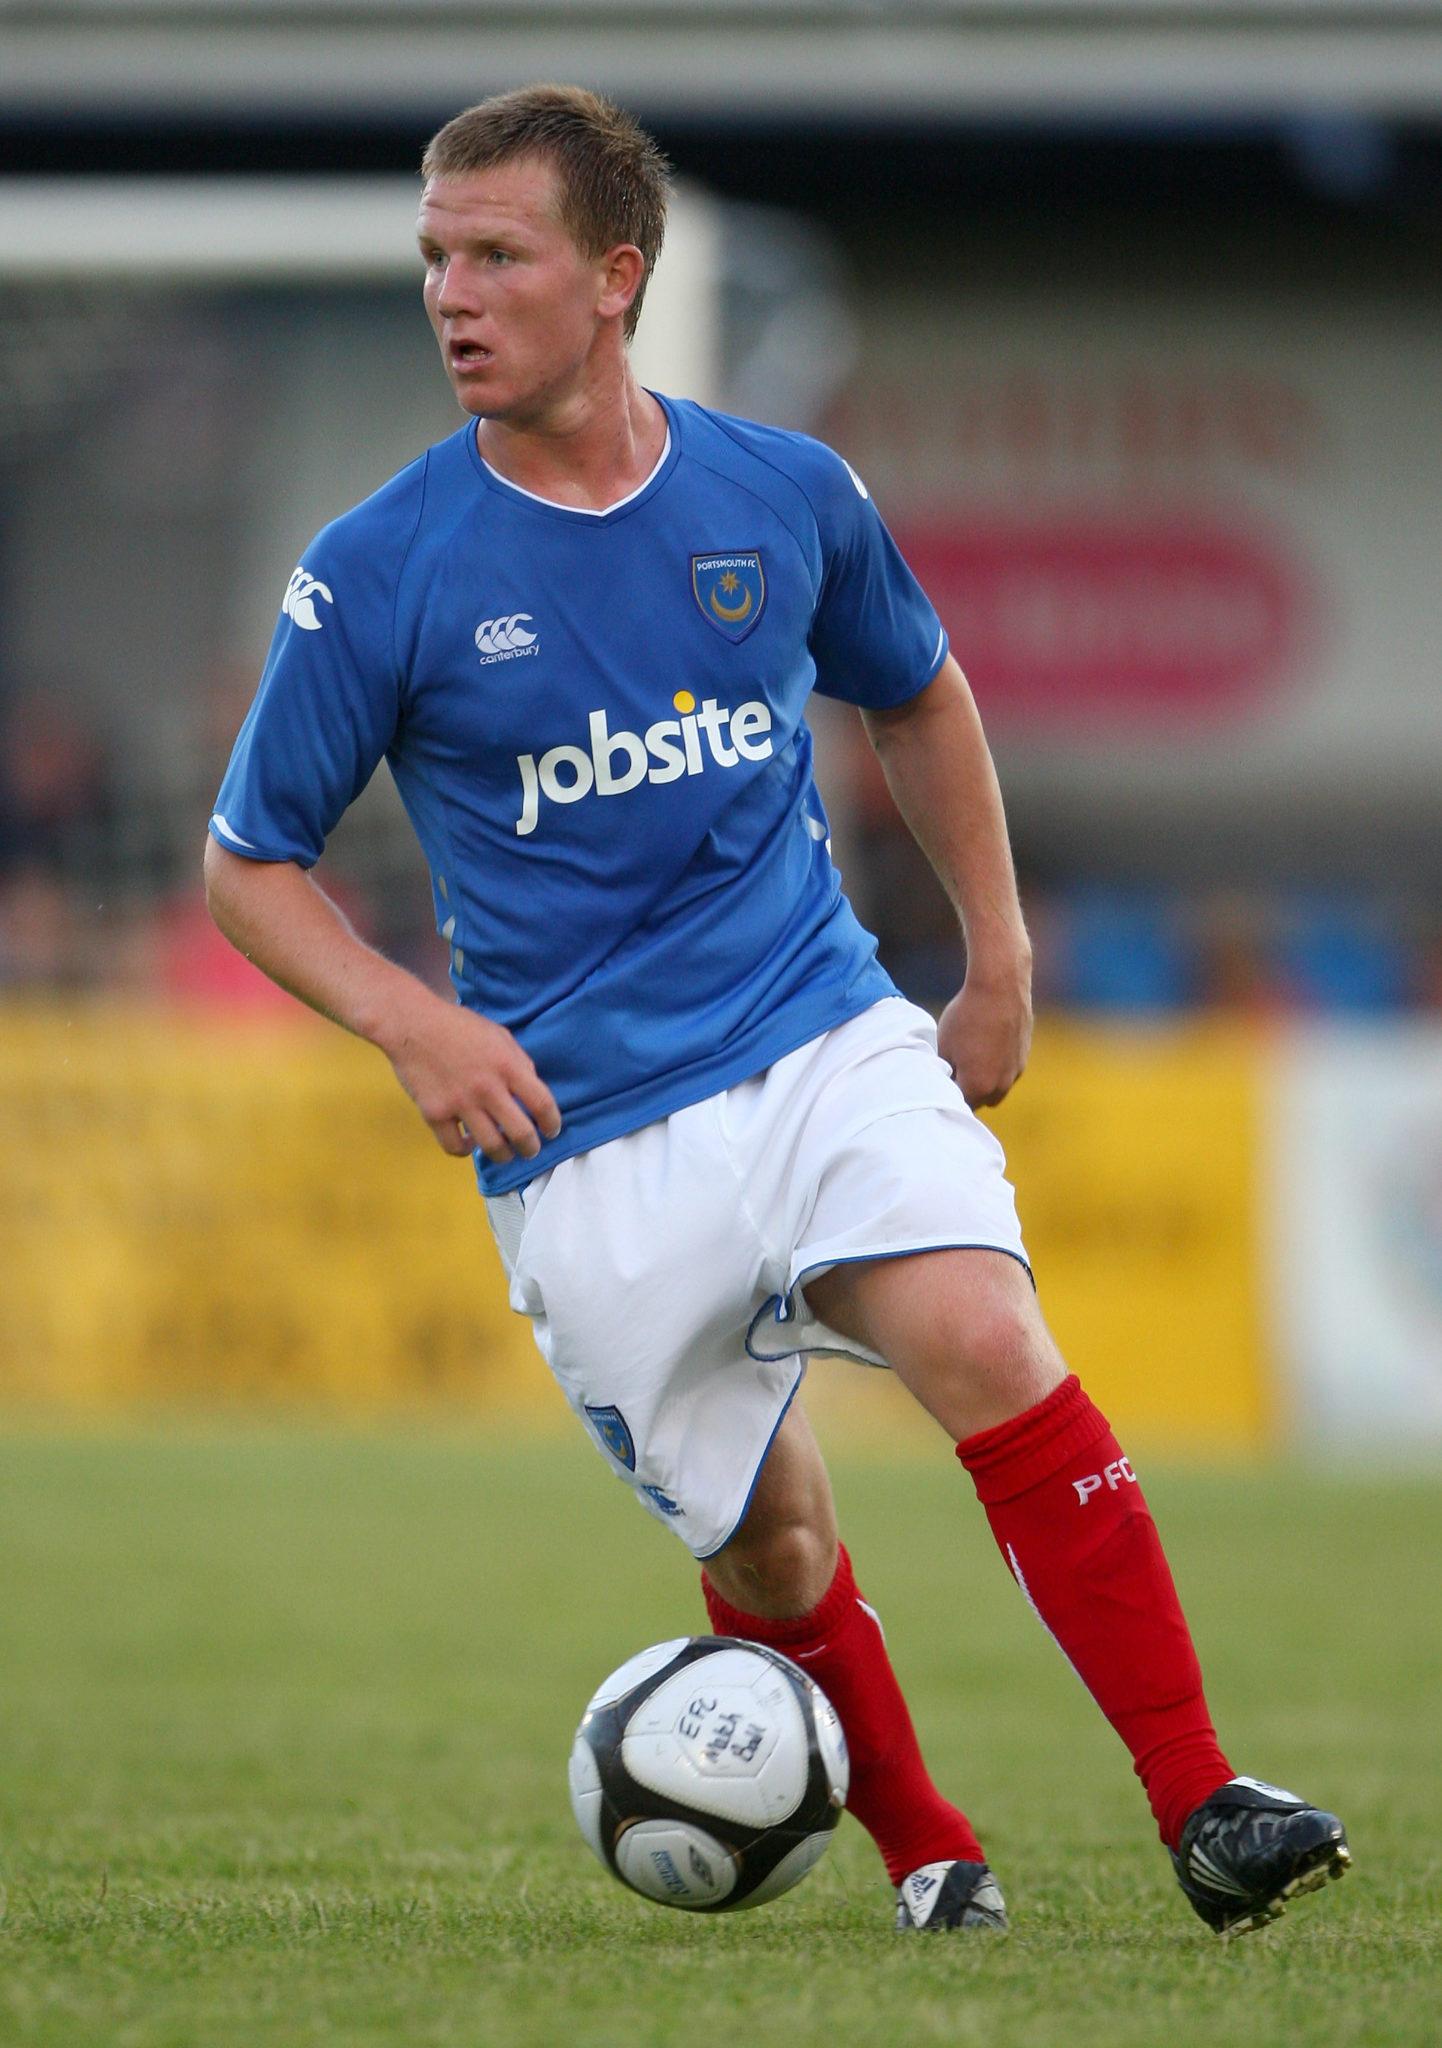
329	701
875	638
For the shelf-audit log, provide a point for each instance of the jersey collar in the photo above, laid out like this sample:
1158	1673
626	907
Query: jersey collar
583	515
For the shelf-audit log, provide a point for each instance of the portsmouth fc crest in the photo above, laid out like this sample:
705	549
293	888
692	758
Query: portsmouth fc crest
730	589
614	1431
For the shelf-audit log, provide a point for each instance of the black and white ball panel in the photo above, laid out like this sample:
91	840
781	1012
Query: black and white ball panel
709	1773
676	1863
730	1740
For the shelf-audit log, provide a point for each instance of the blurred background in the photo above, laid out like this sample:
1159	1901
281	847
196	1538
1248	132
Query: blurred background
1128	315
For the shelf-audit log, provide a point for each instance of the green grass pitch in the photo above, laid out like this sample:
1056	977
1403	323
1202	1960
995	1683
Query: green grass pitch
284	1721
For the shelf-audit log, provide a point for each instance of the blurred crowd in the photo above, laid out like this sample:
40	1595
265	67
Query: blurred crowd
99	897
1111	946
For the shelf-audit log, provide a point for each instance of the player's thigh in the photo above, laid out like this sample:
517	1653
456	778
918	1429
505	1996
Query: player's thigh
641	1270
960	1327
782	1558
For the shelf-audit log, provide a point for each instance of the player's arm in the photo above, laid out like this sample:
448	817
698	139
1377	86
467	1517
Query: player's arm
939	769
470	1079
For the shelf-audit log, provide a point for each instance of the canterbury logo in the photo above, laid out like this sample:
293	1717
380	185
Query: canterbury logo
616	762
1110	1476
496	638
299	601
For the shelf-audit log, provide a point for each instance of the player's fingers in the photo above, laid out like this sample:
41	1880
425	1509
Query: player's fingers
460	1137
515	1125
453	1137
450	1135
531	1091
987	1099
485	1132
985	1091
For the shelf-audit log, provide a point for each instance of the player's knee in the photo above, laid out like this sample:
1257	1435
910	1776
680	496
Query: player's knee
996	1340
780	1570
1002	1345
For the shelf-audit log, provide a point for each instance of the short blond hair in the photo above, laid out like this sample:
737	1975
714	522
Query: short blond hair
614	181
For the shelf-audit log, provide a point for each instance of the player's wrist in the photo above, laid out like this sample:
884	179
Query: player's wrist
393	1009
1002	962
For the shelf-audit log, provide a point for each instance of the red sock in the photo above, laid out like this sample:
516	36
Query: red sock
1069	1518
840	1644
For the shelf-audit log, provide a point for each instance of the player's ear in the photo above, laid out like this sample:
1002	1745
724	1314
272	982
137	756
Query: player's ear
622	270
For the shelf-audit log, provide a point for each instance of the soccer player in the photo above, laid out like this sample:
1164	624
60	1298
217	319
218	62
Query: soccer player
712	1137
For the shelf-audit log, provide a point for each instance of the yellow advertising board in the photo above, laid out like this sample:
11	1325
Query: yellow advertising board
1135	1154
196	1211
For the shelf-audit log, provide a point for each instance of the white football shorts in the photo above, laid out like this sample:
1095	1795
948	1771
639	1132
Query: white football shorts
663	1272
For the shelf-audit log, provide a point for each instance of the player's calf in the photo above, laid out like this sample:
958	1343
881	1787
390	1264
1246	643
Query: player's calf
841	1645
1068	1515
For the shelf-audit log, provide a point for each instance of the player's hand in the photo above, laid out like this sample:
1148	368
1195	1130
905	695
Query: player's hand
985	1034
473	1083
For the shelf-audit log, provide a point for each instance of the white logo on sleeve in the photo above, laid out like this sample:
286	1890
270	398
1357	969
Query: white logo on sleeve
299	601
504	638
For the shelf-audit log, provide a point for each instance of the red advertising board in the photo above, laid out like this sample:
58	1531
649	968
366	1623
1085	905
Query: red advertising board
1093	620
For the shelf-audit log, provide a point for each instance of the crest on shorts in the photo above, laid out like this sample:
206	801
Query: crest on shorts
614	1431
730	589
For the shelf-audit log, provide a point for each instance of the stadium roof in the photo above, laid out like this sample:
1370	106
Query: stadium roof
725	60
310	230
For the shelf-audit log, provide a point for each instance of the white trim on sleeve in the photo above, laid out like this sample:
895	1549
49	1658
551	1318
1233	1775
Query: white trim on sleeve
228	832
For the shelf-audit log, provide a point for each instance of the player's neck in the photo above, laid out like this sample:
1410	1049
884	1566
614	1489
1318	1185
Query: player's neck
589	454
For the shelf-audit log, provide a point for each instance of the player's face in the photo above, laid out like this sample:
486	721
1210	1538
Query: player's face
516	307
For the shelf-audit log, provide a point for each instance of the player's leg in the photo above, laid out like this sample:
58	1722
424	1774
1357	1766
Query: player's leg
963	1330
782	1560
784	1579
964	1333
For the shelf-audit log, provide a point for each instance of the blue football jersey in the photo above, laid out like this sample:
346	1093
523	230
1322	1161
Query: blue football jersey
596	724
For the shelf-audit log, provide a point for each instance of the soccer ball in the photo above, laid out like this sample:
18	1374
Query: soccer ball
709	1773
